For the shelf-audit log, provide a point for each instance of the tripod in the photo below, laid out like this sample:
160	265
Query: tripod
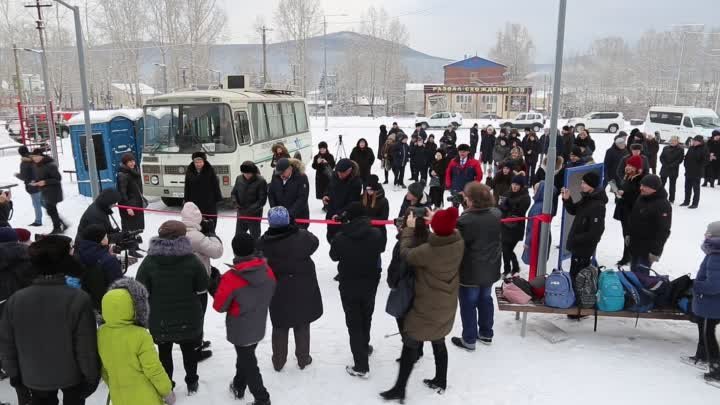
340	149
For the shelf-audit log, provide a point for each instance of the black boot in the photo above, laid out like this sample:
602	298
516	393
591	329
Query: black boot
713	377
407	361
439	382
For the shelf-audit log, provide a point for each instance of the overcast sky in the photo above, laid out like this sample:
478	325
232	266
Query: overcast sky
452	28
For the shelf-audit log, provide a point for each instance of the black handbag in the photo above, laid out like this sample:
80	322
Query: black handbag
401	298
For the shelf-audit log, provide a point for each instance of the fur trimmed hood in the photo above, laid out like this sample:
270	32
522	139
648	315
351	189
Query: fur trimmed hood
298	165
170	247
117	311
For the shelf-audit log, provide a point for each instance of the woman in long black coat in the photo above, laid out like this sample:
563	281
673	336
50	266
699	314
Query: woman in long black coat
130	188
202	186
324	164
363	155
297	301
487	144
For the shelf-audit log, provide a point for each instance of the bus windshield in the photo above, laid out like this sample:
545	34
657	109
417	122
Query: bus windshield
189	128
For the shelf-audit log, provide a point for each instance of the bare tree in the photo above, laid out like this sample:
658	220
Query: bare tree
298	20
515	49
205	21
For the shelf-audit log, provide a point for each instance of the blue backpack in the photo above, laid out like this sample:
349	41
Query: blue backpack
637	298
559	290
611	294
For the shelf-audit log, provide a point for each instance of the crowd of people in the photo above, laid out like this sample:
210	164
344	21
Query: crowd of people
442	259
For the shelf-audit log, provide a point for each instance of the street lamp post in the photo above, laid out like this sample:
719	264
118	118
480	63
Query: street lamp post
184	68
325	75
164	70
90	146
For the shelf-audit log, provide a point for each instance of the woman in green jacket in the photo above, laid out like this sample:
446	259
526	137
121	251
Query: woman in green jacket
130	365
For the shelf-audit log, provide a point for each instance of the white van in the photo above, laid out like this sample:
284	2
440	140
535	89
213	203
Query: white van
685	122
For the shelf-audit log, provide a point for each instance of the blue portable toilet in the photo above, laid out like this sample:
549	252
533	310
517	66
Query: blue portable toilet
115	132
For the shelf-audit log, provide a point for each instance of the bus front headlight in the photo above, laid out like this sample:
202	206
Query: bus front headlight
154	180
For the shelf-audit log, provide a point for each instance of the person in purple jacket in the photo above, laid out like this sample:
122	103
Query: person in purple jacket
706	305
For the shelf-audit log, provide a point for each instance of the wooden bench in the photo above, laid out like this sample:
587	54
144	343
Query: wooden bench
71	173
538	308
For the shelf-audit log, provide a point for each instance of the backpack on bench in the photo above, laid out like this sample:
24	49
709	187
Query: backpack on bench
611	294
637	298
586	287
558	290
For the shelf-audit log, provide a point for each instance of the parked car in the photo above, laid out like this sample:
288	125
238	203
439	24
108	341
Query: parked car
685	122
532	120
489	116
599	121
441	120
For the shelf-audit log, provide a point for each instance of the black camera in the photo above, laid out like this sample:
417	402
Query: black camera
456	199
129	240
207	227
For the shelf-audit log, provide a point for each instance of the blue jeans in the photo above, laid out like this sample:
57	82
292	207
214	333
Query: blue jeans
37	206
476	312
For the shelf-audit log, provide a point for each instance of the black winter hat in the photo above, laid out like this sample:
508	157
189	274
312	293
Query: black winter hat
591	179
282	165
248	167
463	147
48	252
200	155
652	181
322	145
699	138
343	165
355	210
95	233
23	151
38	152
519	180
417	189
243	244
373	182
636	146
716	132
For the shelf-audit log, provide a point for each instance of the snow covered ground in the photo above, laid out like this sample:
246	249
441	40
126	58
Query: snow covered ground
630	365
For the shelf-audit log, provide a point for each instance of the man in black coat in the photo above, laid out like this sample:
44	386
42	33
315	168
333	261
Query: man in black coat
671	158
695	160
395	129
345	188
49	180
649	224
589	224
99	213
474	139
250	196
289	188
419	161
364	156
480	227
202	187
131	189
357	248
568	142
48	335
613	157
712	170
382	138
400	157
419	132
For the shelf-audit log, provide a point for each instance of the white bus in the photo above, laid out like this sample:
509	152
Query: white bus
230	125
685	122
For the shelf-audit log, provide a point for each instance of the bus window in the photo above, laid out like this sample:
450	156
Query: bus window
288	117
257	114
300	117
274	119
242	126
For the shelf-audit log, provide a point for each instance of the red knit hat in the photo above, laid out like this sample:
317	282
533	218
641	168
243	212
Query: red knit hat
635	161
444	221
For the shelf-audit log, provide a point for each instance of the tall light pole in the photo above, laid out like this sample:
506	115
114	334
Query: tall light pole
90	146
264	31
682	53
184	68
325	75
164	70
549	196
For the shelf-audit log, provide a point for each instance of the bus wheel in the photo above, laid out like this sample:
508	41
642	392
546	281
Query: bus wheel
172	202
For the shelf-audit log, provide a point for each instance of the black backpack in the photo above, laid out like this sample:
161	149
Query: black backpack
586	287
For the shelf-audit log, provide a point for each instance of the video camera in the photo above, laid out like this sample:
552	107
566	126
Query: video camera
418	212
129	240
456	199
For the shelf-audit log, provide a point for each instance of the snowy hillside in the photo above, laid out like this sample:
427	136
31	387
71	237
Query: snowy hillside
620	364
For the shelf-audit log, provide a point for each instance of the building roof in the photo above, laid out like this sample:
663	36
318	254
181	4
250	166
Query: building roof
475	62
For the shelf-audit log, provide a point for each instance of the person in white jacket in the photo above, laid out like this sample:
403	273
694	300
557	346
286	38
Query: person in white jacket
205	246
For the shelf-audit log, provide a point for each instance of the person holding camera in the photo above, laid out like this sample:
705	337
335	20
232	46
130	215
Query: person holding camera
345	188
480	228
48	339
131	195
415	197
205	245
175	280
462	170
49	181
99	213
250	196
27	175
357	248
324	164
102	268
432	314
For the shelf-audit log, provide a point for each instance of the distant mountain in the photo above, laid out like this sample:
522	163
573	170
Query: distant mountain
239	58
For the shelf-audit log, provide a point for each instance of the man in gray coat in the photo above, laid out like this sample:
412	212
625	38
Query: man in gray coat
480	227
47	333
